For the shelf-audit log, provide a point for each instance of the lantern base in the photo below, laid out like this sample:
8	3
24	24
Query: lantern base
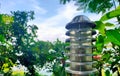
80	73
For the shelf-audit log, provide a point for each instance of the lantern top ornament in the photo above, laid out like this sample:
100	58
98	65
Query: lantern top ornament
80	21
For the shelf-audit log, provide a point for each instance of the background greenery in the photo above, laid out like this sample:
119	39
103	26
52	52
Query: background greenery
19	44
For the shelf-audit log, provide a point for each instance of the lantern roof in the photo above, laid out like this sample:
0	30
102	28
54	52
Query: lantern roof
80	21
67	33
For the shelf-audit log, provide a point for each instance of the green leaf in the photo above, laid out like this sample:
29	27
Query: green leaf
111	14
5	70
100	43
113	36
2	38
109	24
107	73
106	41
100	26
106	57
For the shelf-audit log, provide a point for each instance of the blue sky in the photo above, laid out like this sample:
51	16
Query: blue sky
51	17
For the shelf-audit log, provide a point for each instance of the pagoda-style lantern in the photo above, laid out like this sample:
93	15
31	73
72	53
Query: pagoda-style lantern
80	38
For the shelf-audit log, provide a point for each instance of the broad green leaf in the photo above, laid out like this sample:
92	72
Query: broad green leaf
113	36
110	15
100	26
106	41
106	57
100	43
109	24
107	73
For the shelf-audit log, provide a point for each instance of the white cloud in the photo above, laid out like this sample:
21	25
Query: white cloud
36	7
69	10
54	27
39	10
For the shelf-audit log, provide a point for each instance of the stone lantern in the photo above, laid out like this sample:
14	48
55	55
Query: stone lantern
80	54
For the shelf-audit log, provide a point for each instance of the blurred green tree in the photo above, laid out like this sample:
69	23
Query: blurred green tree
24	39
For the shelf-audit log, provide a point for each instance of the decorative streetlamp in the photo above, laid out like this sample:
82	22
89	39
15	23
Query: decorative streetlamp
80	55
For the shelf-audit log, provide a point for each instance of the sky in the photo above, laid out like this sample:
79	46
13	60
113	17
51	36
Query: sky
51	17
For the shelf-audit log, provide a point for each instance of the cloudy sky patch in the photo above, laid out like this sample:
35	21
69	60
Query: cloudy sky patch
51	17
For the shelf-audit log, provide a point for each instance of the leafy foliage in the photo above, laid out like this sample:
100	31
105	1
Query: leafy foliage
5	45
94	6
24	40
108	45
111	14
113	36
18	42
